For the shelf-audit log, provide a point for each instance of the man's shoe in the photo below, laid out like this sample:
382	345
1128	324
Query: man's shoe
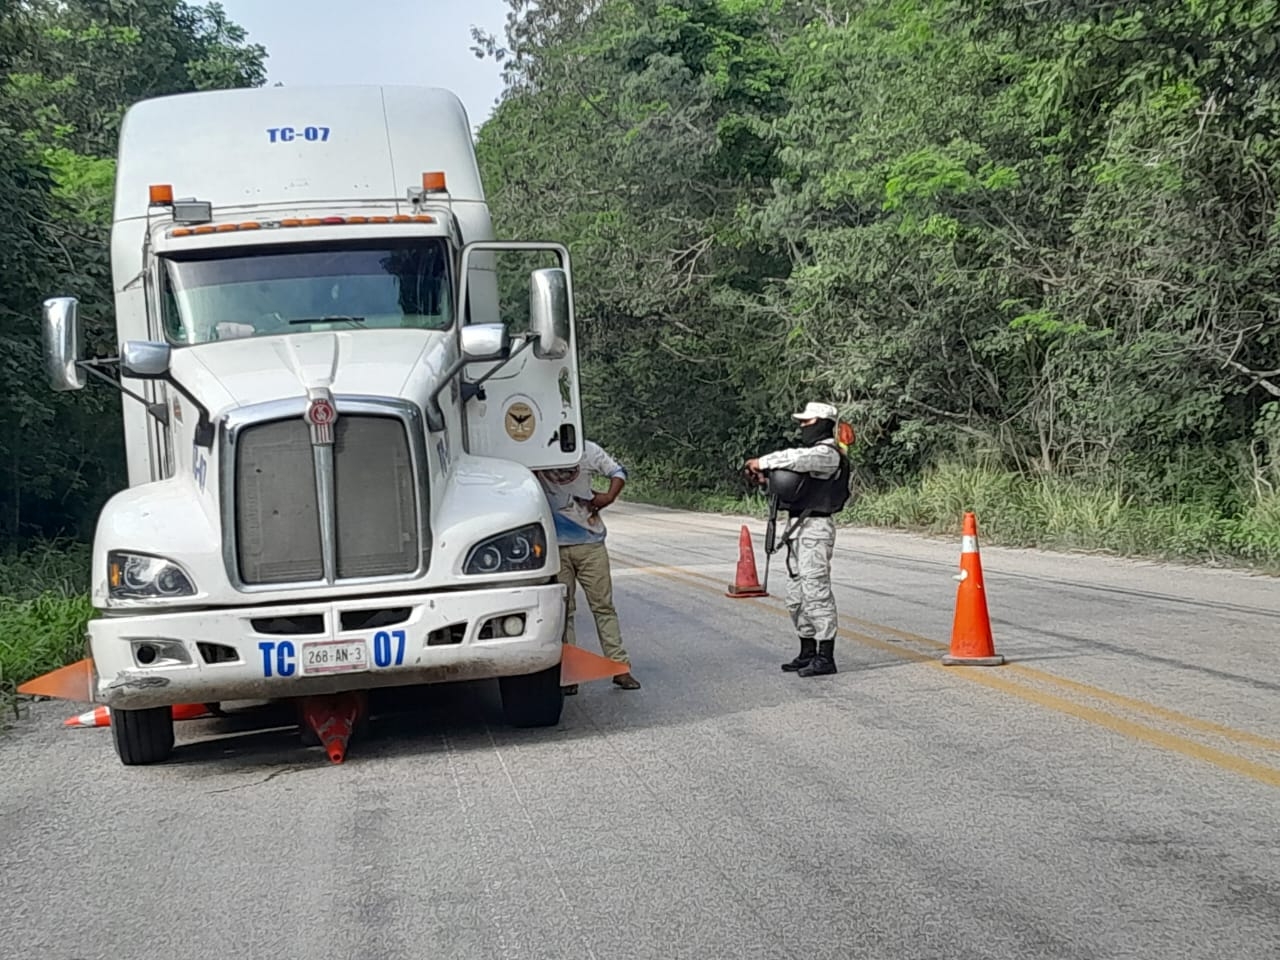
799	663
570	691
626	681
819	667
808	650
823	663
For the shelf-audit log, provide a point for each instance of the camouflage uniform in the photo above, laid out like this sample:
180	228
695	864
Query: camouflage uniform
811	541
809	597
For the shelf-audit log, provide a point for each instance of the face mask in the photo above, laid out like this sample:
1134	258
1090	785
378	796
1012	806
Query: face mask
817	432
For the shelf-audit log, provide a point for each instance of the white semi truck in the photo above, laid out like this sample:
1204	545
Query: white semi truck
330	430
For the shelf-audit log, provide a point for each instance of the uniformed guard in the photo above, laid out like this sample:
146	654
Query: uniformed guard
812	483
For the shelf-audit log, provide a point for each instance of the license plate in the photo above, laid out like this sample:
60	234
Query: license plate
335	656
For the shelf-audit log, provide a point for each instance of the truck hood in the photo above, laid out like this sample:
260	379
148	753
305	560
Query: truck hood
386	363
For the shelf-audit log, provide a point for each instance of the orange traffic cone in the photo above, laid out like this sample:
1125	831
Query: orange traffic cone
190	711
97	717
72	682
101	716
746	582
334	718
582	666
971	641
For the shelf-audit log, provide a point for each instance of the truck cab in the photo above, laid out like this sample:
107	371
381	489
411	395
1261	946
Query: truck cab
331	423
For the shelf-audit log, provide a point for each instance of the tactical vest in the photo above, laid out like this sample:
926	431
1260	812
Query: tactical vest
821	497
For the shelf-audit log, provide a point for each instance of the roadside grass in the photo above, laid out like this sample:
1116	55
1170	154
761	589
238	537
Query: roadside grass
44	607
1051	514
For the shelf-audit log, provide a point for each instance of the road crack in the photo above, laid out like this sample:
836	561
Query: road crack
295	768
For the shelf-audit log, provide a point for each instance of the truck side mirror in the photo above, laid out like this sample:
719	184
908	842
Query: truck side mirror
144	360
61	332
549	312
485	341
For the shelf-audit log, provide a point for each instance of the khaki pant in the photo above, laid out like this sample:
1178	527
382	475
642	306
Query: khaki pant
588	564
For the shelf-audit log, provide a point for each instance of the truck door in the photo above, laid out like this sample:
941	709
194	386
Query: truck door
531	409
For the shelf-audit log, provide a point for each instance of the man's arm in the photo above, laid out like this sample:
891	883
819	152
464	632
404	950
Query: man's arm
602	465
605	499
822	460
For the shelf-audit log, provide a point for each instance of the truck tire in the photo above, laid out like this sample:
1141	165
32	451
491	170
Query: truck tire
532	700
142	736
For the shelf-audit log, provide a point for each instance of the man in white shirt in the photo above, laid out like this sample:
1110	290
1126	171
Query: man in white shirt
580	535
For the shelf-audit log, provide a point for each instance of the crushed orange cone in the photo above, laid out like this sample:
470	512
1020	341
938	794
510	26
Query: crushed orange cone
583	666
72	682
746	581
190	711
971	640
97	717
334	718
101	716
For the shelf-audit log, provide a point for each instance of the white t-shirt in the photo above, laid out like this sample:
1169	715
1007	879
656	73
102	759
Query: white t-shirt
575	522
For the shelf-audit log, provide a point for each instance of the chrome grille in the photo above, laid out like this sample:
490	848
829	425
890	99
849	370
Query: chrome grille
377	519
277	513
283	486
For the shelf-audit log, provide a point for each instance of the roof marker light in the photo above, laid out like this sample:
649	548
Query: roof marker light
433	182
207	228
161	193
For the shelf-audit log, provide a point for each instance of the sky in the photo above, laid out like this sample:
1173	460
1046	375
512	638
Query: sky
426	42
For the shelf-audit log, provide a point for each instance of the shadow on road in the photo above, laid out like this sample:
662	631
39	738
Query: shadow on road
405	719
418	720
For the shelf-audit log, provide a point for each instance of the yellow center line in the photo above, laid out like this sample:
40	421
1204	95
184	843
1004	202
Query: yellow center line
1132	729
1244	737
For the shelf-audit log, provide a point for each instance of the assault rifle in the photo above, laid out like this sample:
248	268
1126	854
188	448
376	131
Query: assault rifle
777	482
770	537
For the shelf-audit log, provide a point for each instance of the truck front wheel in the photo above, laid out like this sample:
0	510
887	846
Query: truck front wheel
142	736
532	700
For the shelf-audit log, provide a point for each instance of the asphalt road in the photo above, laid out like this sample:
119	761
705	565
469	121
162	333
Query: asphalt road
1111	792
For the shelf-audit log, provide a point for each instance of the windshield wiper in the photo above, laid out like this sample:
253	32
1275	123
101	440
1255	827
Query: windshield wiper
355	320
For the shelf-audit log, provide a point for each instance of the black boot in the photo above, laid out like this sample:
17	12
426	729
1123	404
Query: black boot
824	663
808	650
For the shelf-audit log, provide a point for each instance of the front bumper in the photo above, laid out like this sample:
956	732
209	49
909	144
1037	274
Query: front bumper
266	653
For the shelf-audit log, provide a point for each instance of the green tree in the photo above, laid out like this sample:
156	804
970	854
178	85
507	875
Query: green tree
1040	236
635	133
71	70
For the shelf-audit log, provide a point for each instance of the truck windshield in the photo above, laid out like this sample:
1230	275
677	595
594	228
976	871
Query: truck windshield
264	291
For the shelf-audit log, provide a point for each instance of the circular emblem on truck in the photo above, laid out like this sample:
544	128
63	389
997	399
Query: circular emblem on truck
321	413
519	422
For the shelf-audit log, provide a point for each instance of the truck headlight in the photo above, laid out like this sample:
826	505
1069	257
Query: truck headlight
522	549
136	576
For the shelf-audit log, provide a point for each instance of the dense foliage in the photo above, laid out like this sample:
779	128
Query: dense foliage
70	69
1035	239
1040	238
